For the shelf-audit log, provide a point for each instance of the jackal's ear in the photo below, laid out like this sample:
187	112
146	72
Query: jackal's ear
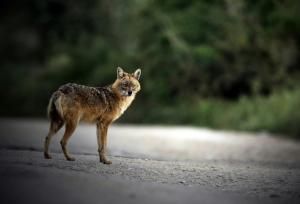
120	73
137	74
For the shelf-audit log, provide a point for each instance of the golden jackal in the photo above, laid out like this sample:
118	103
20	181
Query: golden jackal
101	105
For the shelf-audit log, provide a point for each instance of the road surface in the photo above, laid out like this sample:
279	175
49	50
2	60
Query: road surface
162	164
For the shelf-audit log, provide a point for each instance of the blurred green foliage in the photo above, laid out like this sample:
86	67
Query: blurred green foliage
229	64
275	113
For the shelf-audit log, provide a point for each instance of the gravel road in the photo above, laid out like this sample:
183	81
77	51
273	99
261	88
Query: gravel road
173	164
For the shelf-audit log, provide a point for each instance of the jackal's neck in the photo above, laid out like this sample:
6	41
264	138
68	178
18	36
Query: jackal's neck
123	102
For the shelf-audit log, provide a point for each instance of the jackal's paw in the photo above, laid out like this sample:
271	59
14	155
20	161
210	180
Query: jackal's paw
47	156
104	160
71	159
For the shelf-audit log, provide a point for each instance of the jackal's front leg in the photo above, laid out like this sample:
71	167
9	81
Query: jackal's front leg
102	142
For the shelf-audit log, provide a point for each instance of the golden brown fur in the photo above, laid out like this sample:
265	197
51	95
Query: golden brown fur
72	103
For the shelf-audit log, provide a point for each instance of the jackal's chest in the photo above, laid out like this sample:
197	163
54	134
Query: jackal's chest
122	107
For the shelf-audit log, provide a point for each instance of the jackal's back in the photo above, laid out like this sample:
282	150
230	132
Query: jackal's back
88	96
85	102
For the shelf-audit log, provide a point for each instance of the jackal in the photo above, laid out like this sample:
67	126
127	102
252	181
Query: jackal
72	103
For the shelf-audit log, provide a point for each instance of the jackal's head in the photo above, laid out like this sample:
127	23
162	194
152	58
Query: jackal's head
127	84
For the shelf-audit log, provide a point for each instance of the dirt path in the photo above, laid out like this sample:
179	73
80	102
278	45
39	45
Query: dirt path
258	167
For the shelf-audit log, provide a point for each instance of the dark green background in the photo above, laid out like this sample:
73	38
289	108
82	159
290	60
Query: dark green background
230	64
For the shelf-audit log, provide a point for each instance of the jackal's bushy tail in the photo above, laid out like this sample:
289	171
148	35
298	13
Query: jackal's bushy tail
54	110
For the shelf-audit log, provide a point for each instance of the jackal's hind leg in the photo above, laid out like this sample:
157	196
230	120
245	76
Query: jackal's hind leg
54	127
70	127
